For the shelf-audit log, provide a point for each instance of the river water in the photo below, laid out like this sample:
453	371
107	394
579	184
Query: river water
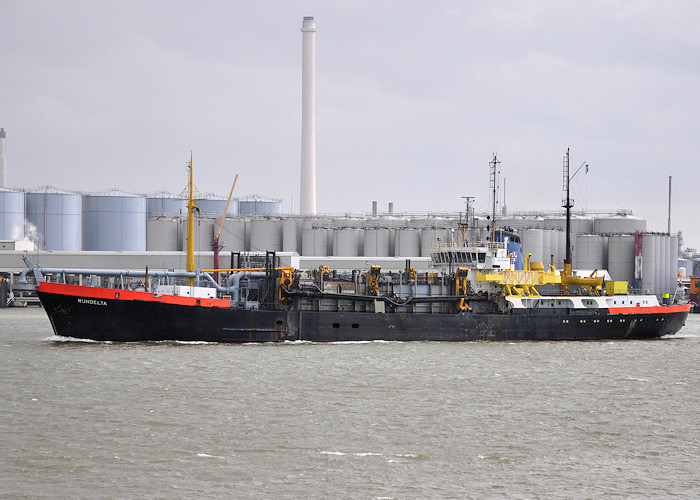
375	420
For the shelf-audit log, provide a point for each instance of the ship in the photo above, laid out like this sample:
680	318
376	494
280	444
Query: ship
473	293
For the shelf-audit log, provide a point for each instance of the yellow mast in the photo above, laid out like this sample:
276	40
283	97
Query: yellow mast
190	221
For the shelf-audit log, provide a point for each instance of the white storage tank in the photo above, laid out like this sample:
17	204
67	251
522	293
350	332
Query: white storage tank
430	237
291	235
234	235
533	243
579	224
590	252
674	263
649	271
213	205
314	242
57	216
621	258
549	243
163	234
561	249
257	205
622	224
407	243
265	235
203	234
114	221
376	242
163	203
346	242
11	214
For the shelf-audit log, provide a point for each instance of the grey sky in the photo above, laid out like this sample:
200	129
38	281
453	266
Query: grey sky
412	99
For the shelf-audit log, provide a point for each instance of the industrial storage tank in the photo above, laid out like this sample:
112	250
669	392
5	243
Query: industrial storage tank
561	250
314	242
164	203
291	235
114	221
257	205
57	218
622	224
621	258
673	259
265	235
548	247
590	252
533	243
234	235
11	214
649	271
203	234
407	243
214	205
163	235
377	242
346	242
432	236
580	224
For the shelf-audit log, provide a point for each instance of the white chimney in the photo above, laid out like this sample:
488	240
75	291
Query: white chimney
3	160
308	117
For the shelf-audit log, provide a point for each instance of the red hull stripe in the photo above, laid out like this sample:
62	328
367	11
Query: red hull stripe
116	294
649	310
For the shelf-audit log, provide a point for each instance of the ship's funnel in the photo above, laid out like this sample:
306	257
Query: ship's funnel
308	119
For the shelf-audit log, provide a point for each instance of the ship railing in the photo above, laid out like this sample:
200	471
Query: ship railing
441	245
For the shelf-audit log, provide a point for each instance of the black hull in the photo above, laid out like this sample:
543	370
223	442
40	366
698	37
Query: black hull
141	321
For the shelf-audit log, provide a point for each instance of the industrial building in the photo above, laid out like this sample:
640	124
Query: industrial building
70	229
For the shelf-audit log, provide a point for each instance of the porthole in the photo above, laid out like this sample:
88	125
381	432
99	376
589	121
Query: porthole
336	325
355	325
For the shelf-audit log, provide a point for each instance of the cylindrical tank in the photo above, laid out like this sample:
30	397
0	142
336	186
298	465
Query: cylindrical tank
548	246
163	203
57	218
346	242
114	221
533	243
648	262
314	242
579	224
430	237
624	224
265	235
589	252
407	243
163	234
376	243
673	278
233	235
11	214
291	235
621	258
213	205
256	205
561	250
658	265
203	234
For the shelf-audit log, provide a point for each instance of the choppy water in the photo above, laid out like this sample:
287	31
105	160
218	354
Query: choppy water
351	420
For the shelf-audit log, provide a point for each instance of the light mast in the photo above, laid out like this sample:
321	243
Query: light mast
191	207
567	203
